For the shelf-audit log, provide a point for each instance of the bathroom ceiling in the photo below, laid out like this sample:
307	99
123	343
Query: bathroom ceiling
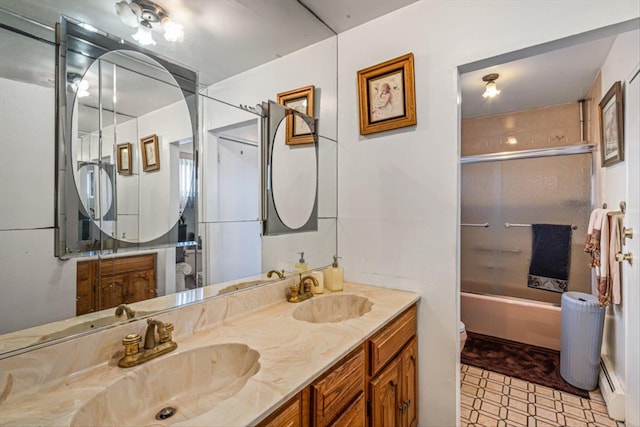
222	37
556	77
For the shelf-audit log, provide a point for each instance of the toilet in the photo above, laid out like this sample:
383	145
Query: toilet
463	335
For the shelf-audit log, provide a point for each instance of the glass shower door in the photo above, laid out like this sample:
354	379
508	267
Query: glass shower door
543	190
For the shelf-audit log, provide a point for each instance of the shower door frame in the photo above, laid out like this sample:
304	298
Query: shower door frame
576	149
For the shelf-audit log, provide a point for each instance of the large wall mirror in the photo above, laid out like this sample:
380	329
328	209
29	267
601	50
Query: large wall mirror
132	232
127	143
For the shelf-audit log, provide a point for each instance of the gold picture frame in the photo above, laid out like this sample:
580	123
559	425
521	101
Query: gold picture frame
123	159
387	97
611	114
300	100
150	153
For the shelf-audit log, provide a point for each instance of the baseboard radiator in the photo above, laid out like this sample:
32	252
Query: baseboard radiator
611	389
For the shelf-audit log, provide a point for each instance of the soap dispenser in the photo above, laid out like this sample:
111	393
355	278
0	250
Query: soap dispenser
335	282
301	265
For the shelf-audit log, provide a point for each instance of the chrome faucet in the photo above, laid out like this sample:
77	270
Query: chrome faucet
279	273
153	348
125	308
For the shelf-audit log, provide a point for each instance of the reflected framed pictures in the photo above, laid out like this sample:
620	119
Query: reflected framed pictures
123	158
301	100
150	153
386	94
612	126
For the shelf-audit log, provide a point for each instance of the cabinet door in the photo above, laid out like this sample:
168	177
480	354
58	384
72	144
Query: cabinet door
110	292
141	286
384	393
85	287
409	395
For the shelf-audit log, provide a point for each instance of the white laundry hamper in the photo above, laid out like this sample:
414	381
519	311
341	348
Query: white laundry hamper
581	339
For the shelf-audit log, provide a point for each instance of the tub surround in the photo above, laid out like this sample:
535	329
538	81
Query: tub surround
47	386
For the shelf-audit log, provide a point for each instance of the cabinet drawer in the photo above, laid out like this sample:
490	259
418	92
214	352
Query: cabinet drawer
289	415
354	415
122	265
388	342
333	393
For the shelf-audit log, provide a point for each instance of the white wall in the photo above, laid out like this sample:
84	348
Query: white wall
31	275
623	58
315	65
398	202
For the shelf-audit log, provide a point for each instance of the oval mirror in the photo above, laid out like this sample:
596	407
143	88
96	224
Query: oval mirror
95	188
294	175
130	116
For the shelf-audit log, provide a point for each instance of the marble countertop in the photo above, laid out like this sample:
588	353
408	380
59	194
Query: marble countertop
292	353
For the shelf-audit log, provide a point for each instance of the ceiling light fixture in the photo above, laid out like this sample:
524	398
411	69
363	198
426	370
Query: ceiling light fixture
490	89
143	15
78	84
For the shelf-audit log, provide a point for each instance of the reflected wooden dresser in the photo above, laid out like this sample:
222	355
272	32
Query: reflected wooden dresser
107	283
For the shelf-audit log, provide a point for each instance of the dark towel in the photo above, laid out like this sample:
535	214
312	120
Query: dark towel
550	257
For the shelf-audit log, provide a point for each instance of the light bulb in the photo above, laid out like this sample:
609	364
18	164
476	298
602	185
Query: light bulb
490	90
128	13
144	37
83	88
173	32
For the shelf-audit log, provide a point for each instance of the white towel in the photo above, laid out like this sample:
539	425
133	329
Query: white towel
602	244
593	242
602	269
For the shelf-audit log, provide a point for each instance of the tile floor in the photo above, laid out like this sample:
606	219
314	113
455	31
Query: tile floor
490	399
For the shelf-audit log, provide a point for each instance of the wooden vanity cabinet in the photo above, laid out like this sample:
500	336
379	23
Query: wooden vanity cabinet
375	385
393	370
107	283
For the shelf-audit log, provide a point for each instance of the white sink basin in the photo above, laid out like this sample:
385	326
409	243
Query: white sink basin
332	308
191	382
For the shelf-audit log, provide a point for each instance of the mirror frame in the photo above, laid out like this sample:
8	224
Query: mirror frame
93	45
272	223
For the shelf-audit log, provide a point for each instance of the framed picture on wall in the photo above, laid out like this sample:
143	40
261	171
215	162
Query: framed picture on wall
123	158
612	126
386	94
301	100
150	153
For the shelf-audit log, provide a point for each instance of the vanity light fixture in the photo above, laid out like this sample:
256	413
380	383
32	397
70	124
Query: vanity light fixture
490	89
143	15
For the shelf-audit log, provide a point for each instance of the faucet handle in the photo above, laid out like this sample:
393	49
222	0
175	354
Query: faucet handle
165	332
293	293
131	344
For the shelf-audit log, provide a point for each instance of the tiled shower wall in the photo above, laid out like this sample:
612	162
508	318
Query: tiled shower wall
545	127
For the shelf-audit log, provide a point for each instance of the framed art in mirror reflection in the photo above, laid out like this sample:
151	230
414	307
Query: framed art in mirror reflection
150	153
301	100
123	156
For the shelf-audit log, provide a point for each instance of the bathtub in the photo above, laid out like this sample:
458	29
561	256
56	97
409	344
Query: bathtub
530	322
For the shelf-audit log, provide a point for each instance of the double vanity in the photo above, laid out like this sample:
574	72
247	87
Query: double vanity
245	358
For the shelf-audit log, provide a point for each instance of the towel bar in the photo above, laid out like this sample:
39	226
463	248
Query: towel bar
509	225
485	225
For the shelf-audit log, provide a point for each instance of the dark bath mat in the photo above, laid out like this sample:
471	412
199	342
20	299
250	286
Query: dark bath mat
523	361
